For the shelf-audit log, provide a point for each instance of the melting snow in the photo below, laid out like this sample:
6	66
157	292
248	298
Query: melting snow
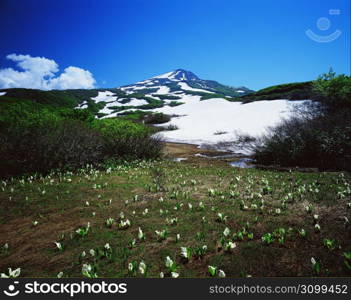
165	75
185	87
133	102
104	96
2	93
162	89
200	120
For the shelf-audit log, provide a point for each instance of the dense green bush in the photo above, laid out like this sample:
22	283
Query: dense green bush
333	92
157	118
292	91
39	139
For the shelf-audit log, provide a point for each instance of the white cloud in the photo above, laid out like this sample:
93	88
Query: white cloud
41	73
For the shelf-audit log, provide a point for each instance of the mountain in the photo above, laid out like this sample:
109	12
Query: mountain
168	89
182	81
191	110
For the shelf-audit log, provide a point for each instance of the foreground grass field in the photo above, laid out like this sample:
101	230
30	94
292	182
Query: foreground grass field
190	219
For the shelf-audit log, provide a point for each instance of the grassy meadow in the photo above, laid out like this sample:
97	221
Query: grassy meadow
196	218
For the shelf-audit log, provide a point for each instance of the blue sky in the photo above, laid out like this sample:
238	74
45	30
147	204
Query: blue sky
255	43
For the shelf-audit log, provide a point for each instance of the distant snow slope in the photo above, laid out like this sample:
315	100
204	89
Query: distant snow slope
104	96
185	87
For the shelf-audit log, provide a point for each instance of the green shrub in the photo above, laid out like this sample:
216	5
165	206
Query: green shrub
333	92
39	139
157	118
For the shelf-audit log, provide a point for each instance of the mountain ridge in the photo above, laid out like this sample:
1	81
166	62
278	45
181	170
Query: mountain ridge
178	80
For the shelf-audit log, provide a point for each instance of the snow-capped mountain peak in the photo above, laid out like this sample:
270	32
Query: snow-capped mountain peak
183	81
178	75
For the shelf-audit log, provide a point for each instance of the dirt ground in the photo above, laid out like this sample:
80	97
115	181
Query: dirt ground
190	152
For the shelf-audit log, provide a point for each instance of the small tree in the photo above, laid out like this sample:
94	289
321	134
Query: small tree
333	92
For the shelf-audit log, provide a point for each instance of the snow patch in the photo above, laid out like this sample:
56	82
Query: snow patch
186	87
2	93
164	75
106	96
198	120
162	89
133	102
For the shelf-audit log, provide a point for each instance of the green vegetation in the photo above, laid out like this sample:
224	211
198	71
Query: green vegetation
36	137
218	88
168	219
292	91
167	97
175	103
319	135
65	98
157	118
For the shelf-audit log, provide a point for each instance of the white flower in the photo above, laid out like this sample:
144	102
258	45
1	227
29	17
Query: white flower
162	275
86	268
221	273
308	208
59	246
185	252
140	234
317	227
92	252
12	273
142	267
35	223
177	237
313	261
168	262
277	211
315	217
226	231
231	245
107	246
130	267
175	275
124	224
60	275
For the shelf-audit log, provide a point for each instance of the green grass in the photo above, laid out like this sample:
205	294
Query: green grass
255	202
292	91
